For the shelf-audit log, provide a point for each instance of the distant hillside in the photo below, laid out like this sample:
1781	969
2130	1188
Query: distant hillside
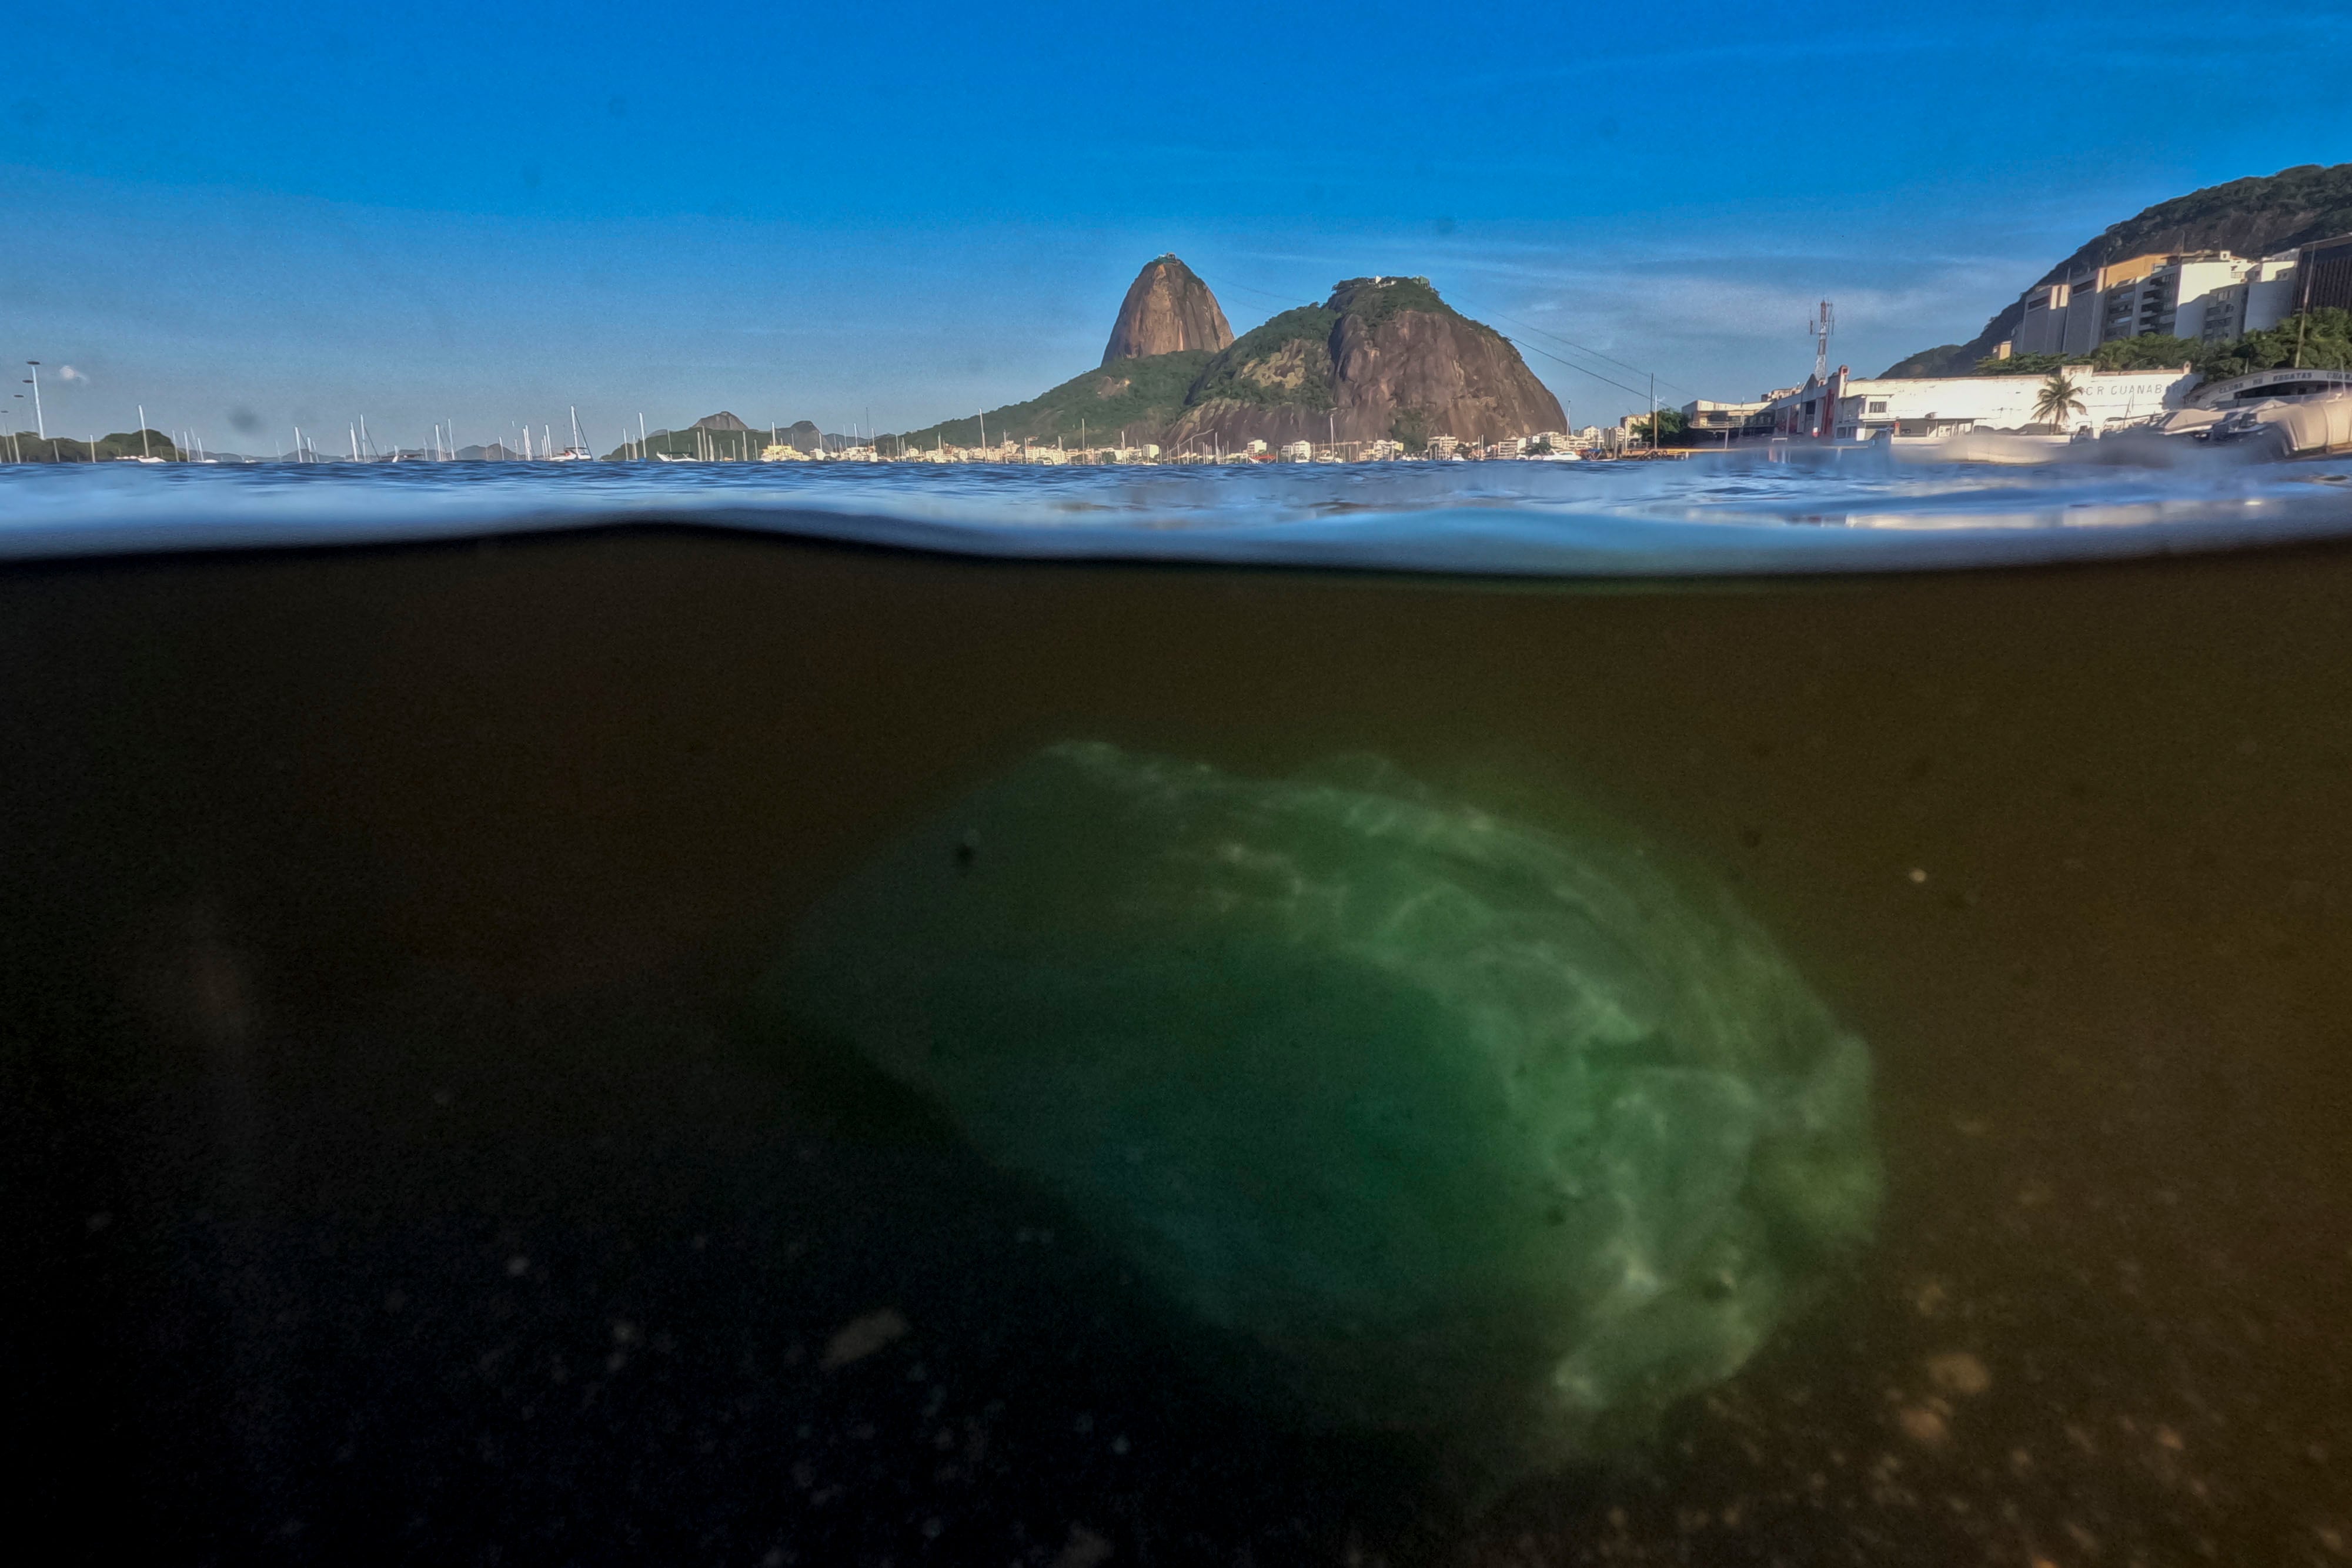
26	447
726	437
1951	360
1384	358
2256	216
1128	403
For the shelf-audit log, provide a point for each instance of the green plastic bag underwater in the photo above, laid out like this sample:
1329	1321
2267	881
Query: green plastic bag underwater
1480	1132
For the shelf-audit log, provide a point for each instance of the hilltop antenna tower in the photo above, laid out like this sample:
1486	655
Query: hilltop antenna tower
1823	323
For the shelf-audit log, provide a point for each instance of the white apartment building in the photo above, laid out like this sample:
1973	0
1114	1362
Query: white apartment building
2211	296
1847	408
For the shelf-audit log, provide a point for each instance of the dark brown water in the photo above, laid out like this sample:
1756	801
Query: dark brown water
401	1165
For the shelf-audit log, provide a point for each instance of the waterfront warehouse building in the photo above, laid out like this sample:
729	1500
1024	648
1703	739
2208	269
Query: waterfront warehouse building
1868	408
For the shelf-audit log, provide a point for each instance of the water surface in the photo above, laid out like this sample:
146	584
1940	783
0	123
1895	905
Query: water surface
1828	510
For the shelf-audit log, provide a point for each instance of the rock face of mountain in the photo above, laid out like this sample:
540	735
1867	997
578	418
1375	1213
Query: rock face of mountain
1168	310
719	421
2260	215
1384	358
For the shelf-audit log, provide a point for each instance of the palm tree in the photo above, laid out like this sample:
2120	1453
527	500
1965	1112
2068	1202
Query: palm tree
2058	398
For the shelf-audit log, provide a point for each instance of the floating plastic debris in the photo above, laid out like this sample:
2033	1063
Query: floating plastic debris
1475	1131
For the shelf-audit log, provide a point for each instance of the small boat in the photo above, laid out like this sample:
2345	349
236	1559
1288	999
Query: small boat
2308	427
578	451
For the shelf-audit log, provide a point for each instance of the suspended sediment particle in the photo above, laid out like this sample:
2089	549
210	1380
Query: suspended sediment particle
1471	1130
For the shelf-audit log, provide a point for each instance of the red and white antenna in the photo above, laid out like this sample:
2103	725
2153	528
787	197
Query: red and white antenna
1823	323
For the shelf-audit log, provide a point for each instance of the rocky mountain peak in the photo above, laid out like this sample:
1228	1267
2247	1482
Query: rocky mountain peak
1168	310
1384	358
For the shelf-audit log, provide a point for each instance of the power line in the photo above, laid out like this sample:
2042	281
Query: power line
1584	348
1565	342
1580	370
1650	393
1261	293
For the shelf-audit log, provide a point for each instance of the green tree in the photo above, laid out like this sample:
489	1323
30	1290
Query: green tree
2320	341
1670	425
2149	351
2022	365
2058	399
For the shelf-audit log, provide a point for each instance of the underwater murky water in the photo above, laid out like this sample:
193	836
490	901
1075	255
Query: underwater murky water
414	1153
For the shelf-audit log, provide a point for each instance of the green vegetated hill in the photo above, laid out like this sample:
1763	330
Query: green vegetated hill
1282	362
721	435
1946	359
26	447
2260	215
1382	359
1132	400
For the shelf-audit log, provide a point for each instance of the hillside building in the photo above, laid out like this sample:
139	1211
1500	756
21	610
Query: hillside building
2210	295
2327	274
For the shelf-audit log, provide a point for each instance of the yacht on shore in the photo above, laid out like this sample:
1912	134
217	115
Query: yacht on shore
2289	413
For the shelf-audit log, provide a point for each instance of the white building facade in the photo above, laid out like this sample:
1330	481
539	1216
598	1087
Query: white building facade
2207	296
1848	408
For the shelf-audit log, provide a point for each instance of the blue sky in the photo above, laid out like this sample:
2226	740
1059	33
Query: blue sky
301	214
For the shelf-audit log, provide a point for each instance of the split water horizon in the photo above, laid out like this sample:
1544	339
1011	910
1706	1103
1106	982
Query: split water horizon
1754	1013
1777	511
